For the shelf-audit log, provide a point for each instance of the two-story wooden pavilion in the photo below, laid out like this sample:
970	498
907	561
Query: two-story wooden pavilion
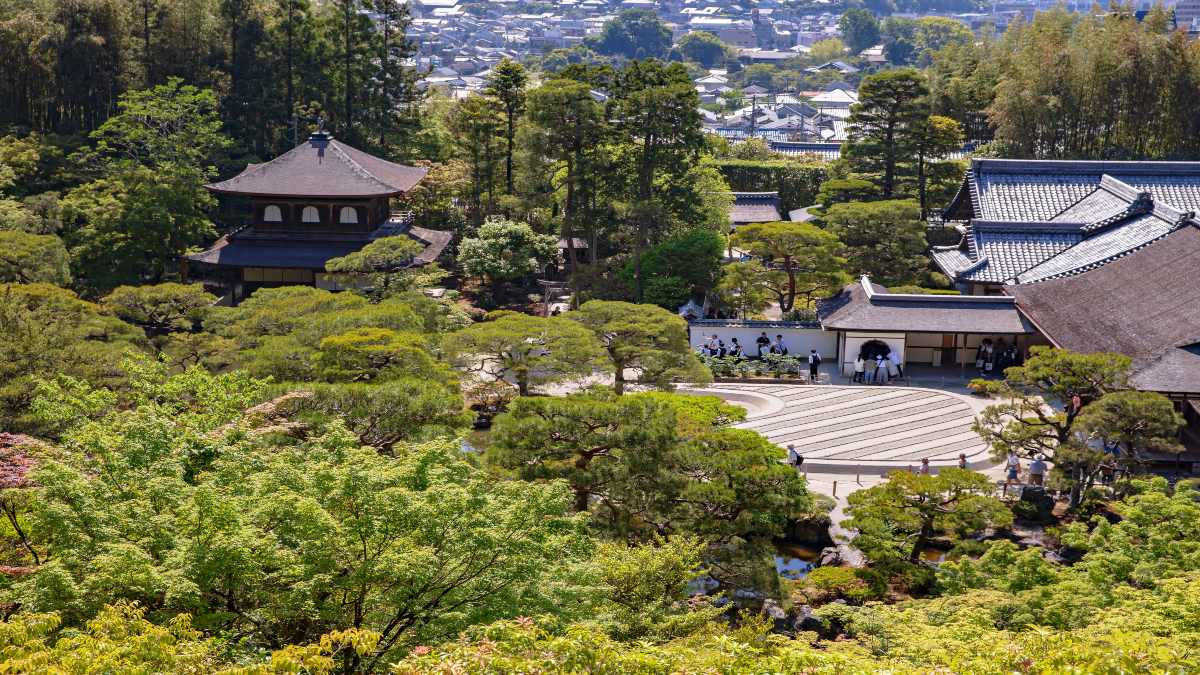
320	200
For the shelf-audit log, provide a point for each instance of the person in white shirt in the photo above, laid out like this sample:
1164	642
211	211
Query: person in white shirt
894	358
860	368
779	347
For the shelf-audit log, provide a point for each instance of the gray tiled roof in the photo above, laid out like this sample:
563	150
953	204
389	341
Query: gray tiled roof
1098	204
856	309
1032	190
1030	197
995	251
1100	248
755	207
1034	220
323	167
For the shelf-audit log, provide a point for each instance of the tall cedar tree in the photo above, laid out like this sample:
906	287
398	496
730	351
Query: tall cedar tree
883	125
572	124
656	109
507	85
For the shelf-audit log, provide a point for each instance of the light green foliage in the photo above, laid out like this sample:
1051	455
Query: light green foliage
840	190
385	413
279	530
18	160
694	413
641	470
647	339
46	331
1135	574
897	519
384	264
693	257
33	258
1048	74
527	350
503	250
377	353
280	331
809	256
828	49
15	216
957	634
645	589
796	182
825	584
745	287
883	239
163	308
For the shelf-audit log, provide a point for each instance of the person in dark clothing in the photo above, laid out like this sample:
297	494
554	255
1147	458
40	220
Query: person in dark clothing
736	350
814	364
763	343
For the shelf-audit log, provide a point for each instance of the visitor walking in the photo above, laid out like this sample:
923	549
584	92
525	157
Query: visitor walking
962	460
860	367
924	466
1013	467
794	458
763	343
1037	471
893	369
814	364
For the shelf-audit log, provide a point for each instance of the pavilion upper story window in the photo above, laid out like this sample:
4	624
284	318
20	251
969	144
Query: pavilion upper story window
310	215
348	215
272	214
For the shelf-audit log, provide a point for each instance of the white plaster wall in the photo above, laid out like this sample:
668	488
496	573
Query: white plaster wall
797	340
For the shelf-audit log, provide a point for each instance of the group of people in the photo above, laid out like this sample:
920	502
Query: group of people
994	357
878	370
714	346
1037	470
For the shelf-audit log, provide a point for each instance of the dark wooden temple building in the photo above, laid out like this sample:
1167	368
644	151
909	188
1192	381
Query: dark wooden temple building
323	199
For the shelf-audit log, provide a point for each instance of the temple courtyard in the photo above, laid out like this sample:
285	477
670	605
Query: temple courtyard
862	432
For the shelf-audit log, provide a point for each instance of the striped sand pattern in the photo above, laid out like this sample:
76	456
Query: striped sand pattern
869	429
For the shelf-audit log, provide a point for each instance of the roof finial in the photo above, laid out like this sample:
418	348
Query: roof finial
319	139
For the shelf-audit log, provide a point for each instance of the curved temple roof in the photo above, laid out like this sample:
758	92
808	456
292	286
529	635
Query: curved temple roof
322	167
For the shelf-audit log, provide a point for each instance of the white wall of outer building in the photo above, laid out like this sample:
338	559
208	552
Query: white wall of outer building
797	340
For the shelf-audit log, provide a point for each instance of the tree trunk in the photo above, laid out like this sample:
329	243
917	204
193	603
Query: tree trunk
347	15
922	539
619	377
508	159
791	287
569	216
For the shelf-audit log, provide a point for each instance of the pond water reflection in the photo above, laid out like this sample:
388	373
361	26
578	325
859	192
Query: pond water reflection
795	561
